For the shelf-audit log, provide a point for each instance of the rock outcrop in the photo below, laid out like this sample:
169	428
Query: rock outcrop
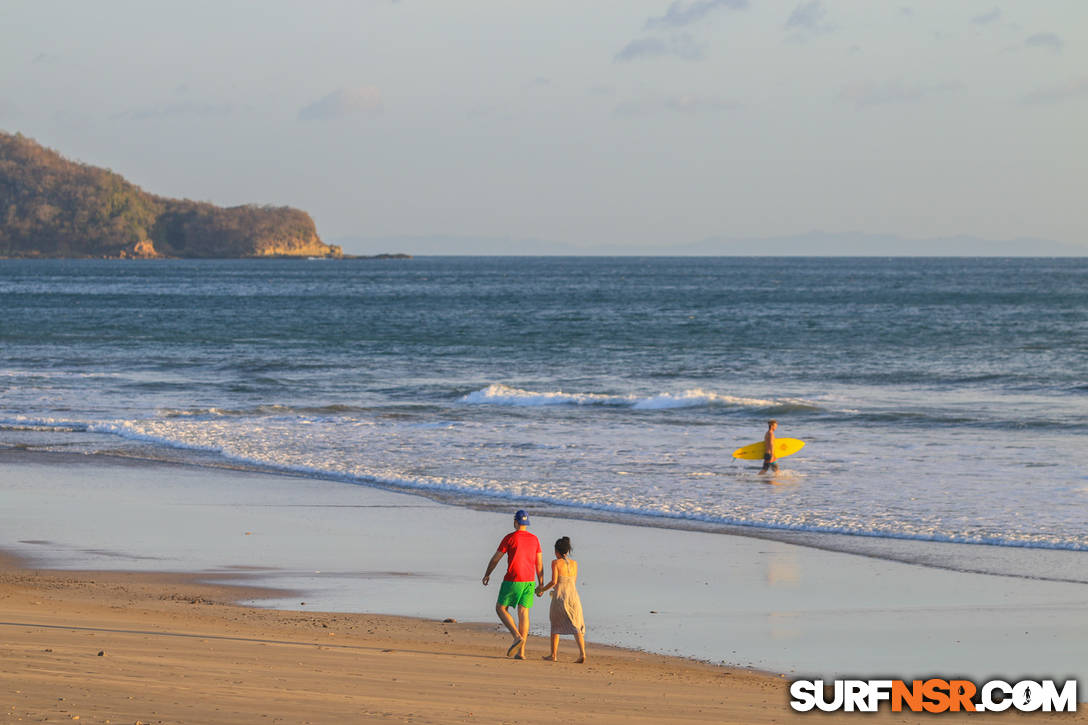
53	207
140	250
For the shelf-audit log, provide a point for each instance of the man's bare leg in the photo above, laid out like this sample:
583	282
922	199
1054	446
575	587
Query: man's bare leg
505	618
523	630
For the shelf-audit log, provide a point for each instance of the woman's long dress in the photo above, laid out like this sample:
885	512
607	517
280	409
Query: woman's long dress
566	608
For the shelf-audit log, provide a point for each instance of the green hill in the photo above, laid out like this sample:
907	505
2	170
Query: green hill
53	207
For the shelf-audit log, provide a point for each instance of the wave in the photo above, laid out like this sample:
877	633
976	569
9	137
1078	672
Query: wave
24	423
263	410
499	394
675	513
460	491
56	375
923	419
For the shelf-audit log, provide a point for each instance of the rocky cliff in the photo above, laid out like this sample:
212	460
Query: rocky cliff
53	207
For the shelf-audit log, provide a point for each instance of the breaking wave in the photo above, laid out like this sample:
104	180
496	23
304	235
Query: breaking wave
499	394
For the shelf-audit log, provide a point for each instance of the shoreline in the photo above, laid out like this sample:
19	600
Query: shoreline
1030	562
100	647
96	646
746	602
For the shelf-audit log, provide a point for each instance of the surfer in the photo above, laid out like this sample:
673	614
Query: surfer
769	458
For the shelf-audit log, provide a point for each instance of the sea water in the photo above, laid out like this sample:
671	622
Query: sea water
941	400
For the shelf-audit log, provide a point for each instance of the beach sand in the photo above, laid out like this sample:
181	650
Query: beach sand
177	648
119	647
176	651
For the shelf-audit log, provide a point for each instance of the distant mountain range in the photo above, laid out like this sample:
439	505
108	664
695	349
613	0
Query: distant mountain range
53	207
811	244
860	244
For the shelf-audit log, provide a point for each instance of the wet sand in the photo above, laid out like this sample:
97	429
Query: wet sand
177	651
731	600
180	648
112	647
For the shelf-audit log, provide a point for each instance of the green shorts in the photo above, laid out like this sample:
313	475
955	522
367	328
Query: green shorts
517	594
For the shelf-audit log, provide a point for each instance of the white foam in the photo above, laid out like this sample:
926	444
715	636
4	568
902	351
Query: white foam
698	398
22	422
499	394
614	473
261	410
56	374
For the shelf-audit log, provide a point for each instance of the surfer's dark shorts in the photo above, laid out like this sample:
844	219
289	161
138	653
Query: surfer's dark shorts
767	462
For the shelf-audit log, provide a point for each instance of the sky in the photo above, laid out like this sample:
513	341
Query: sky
606	125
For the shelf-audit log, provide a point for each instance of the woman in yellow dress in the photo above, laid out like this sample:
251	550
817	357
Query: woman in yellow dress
566	608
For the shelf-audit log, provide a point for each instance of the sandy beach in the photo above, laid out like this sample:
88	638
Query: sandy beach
109	647
117	647
221	596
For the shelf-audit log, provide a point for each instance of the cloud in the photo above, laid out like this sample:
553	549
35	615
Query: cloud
688	103
537	83
175	110
1056	94
1045	40
681	14
344	102
867	94
809	17
987	18
680	46
8	109
684	103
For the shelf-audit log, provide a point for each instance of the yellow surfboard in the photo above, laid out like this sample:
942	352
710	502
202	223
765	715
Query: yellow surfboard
782	447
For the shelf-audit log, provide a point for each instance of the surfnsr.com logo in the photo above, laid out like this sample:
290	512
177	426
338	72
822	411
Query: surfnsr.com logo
933	695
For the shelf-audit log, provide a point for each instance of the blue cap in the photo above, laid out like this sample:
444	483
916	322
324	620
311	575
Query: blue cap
521	518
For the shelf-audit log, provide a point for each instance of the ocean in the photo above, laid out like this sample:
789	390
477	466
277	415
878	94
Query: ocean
941	400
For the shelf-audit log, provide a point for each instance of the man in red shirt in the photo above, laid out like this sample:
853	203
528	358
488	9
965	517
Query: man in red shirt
524	558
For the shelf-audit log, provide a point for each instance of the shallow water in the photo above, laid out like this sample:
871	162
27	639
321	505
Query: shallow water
726	599
942	400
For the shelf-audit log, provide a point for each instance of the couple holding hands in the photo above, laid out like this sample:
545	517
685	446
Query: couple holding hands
525	578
